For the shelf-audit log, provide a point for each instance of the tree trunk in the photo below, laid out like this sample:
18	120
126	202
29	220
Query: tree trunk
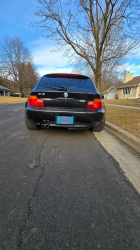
20	89
98	76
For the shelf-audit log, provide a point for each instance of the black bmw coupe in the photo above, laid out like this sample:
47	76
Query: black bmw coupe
65	100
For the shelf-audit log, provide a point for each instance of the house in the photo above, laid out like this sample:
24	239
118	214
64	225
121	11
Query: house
130	88
4	91
109	92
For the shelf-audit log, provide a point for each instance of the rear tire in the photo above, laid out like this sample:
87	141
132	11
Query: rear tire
99	128
30	125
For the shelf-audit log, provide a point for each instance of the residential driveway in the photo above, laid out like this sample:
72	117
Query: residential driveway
62	190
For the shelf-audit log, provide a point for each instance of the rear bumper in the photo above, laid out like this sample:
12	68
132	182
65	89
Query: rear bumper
83	118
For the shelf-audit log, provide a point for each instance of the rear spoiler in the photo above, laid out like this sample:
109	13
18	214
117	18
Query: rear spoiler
67	76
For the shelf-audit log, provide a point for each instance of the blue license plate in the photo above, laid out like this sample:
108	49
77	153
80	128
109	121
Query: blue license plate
64	120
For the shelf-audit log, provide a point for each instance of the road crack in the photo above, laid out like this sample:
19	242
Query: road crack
30	208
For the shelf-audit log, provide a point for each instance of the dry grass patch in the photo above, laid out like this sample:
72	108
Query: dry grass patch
10	99
126	102
127	119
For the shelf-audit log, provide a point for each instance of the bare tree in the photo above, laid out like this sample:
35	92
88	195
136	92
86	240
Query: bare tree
99	32
13	60
31	77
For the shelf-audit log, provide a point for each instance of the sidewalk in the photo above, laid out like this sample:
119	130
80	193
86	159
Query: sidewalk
117	105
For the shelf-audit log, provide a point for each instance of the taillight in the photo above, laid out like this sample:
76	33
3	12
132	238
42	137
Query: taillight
96	104
34	101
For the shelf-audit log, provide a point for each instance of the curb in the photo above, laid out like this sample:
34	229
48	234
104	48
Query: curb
123	135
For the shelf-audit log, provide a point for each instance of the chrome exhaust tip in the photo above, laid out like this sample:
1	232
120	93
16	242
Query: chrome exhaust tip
47	125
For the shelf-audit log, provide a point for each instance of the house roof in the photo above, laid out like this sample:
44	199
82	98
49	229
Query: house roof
134	82
107	88
3	88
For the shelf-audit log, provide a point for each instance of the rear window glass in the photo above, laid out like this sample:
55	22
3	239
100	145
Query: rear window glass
84	84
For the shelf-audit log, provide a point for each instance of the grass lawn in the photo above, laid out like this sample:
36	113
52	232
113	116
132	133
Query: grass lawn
125	102
11	99
127	119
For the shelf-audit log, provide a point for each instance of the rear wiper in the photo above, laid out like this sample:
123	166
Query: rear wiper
55	87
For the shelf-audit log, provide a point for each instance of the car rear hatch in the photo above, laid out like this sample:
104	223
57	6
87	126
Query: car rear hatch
66	91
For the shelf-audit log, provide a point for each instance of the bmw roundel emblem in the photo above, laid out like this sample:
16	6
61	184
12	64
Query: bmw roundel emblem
65	94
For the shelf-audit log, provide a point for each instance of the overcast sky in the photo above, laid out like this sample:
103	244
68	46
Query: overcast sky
15	19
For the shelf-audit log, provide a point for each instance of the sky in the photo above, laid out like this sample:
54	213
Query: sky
16	17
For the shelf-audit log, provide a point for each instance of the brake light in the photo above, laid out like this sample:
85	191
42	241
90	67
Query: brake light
34	101
96	104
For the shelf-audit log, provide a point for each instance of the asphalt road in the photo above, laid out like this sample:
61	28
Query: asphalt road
61	190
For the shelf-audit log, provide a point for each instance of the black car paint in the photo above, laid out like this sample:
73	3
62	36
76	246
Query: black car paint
55	104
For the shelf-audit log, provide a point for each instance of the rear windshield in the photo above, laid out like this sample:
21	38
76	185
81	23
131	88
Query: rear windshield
79	84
